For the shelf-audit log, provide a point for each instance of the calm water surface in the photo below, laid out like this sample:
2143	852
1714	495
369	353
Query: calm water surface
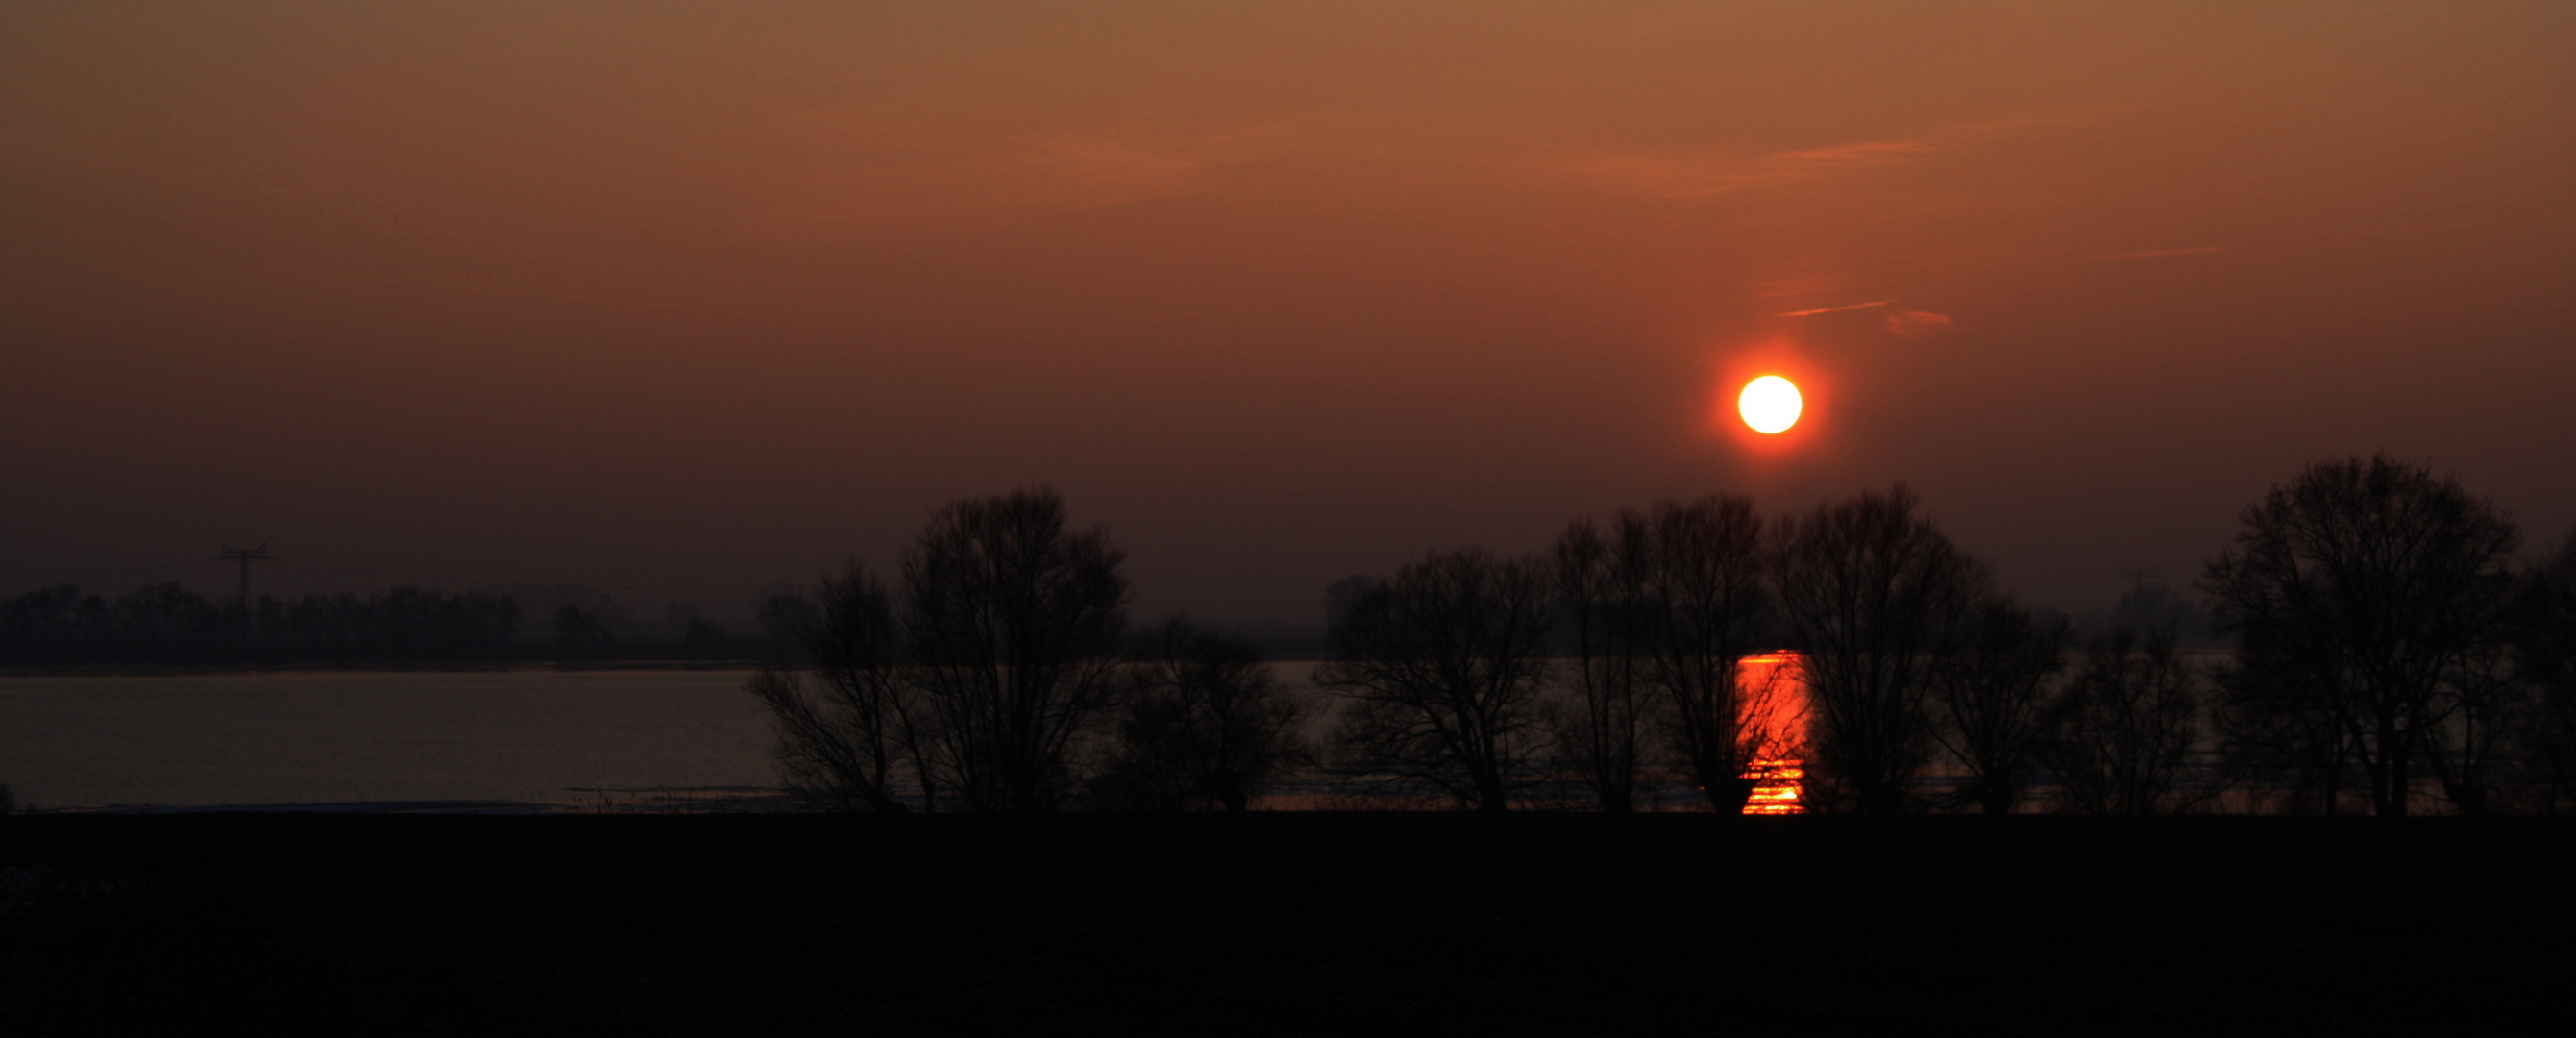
536	737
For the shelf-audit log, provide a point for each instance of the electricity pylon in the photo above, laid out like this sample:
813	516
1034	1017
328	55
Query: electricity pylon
245	556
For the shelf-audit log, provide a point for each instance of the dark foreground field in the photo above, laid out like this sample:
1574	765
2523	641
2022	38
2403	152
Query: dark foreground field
1288	924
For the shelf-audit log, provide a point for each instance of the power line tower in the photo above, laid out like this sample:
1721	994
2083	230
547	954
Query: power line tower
245	556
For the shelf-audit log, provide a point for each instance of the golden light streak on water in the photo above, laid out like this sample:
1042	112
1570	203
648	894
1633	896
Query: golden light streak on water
1778	793
1775	693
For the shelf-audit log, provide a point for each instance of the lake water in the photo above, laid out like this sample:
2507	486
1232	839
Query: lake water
501	740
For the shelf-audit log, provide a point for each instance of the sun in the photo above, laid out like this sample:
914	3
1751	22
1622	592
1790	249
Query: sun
1770	404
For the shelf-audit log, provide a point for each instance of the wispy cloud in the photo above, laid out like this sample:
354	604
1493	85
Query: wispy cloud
1835	309
833	171
1917	324
1687	174
2197	250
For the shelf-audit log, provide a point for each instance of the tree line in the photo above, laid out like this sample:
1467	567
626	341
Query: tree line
2388	655
167	624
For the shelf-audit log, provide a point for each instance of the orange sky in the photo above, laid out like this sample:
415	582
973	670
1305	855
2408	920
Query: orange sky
639	294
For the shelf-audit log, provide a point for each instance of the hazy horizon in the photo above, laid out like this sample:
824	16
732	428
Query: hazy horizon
698	302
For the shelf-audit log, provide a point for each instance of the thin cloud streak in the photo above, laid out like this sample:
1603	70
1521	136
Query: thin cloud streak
1835	309
1702	174
1916	324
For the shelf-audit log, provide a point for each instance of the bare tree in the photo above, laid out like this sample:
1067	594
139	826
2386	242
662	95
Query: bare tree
1013	624
1203	722
2470	729
2278	730
845	747
1995	699
2545	657
1003	647
785	620
1439	671
2370	596
580	631
1692	584
1873	598
1603	732
2126	726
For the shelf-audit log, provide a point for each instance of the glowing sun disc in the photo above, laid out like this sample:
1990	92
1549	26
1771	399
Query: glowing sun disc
1770	404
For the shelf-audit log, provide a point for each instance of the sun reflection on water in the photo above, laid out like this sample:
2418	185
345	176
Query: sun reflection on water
1775	695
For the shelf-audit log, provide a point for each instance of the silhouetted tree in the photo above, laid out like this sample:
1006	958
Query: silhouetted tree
56	625
1691	584
167	622
2473	727
2148	605
846	747
784	620
1603	731
1874	599
2369	599
404	623
1013	624
580	631
1439	671
2545	656
2126	726
1994	697
1203	722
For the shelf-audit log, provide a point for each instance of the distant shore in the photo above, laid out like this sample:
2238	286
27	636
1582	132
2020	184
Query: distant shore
431	666
422	666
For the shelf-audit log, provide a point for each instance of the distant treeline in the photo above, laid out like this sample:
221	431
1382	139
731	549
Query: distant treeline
165	624
2386	653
